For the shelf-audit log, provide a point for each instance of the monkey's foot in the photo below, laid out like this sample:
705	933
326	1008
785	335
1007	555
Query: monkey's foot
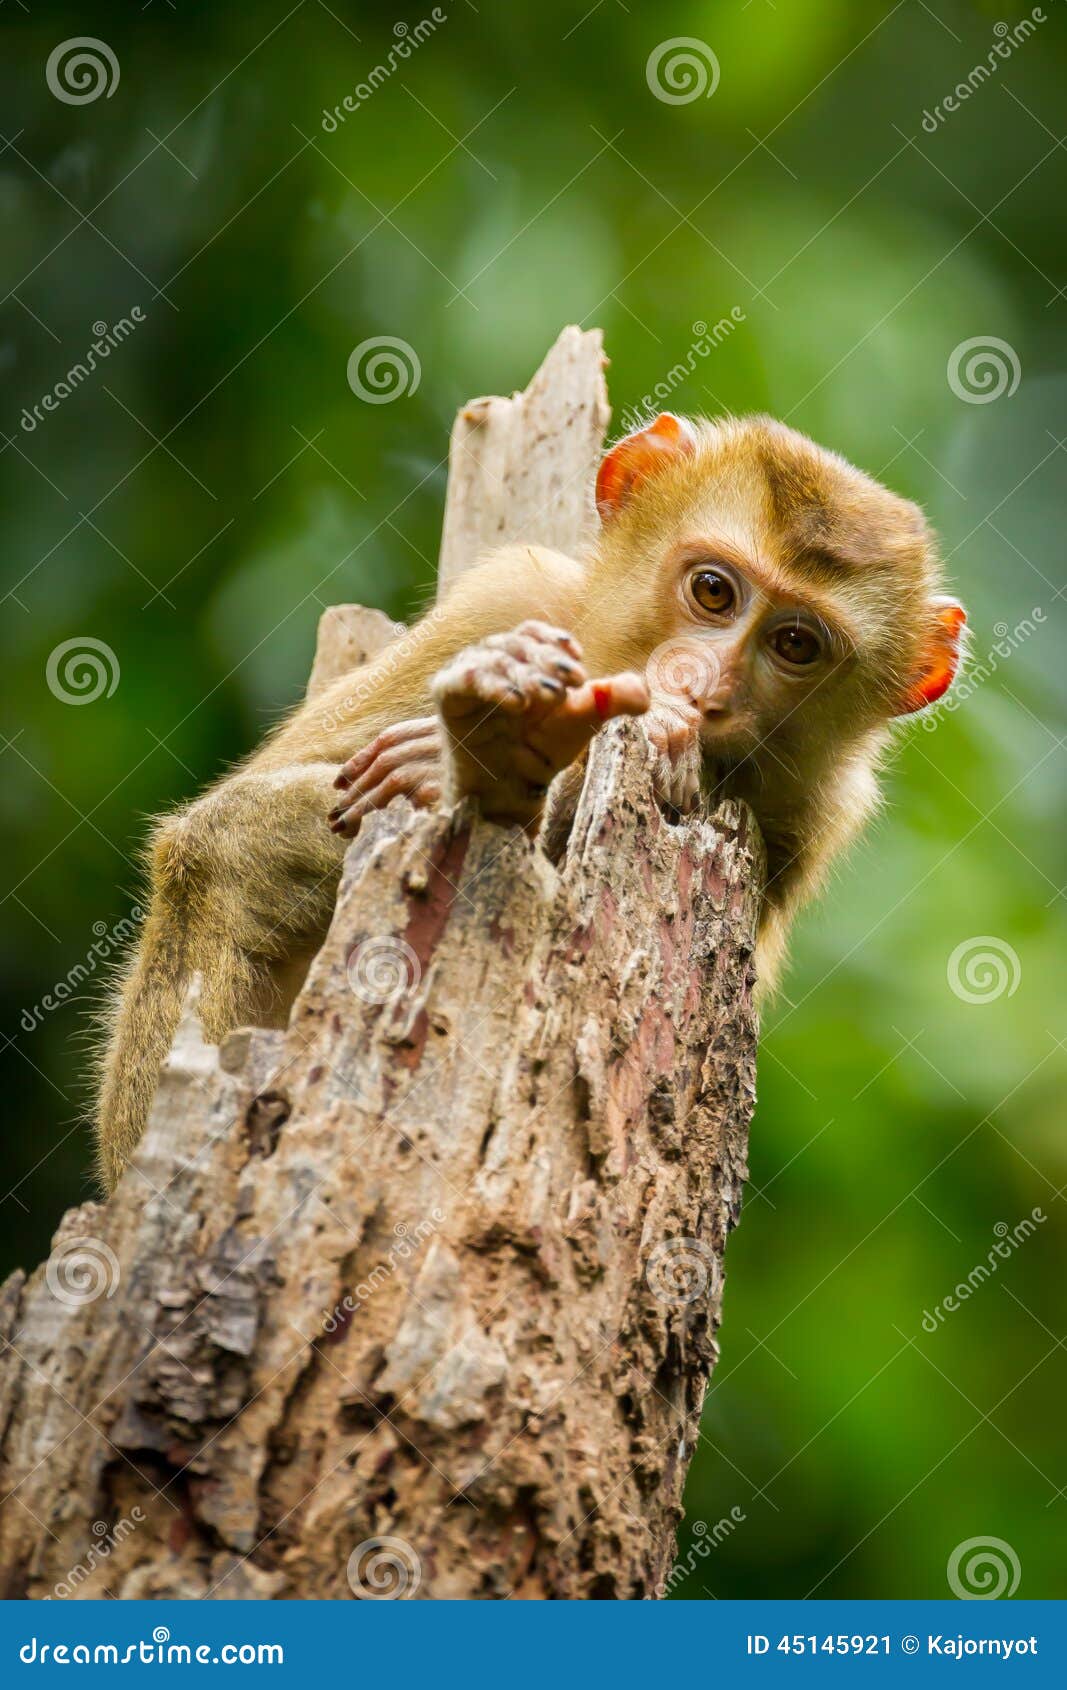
517	709
405	759
675	735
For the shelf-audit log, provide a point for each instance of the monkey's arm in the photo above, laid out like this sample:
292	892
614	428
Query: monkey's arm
509	587
243	881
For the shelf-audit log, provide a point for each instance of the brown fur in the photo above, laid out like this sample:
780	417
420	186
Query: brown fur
243	880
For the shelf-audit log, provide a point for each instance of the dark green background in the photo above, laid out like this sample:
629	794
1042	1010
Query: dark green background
519	155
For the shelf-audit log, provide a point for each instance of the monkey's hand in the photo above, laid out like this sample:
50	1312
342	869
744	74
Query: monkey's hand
516	710
674	731
405	759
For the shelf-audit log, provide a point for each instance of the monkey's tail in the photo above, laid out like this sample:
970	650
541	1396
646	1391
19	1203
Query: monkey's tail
143	1014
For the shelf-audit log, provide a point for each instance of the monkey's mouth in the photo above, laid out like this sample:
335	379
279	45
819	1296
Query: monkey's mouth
725	739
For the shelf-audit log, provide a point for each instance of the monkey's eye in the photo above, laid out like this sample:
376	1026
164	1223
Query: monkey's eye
713	591
797	645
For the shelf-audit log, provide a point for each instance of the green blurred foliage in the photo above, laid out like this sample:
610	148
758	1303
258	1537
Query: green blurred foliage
199	500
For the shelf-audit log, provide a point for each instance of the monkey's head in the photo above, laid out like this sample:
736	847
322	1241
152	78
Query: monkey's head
787	598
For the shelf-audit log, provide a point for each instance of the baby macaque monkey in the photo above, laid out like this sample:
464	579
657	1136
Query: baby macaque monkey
766	607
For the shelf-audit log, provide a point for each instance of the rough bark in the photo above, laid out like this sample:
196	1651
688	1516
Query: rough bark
418	1297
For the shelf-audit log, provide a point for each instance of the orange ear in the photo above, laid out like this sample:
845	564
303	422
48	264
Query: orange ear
638	456
942	657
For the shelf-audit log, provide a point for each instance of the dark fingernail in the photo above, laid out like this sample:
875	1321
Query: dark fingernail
341	781
551	685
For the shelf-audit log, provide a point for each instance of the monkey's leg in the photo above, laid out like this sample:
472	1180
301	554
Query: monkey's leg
406	759
243	887
516	710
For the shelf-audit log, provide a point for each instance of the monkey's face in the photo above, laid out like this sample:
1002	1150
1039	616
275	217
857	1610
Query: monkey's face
749	655
786	598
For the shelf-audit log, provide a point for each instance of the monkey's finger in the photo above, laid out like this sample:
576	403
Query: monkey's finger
424	797
422	787
413	754
677	785
419	728
600	700
674	732
539	653
384	759
484	679
545	632
566	733
388	783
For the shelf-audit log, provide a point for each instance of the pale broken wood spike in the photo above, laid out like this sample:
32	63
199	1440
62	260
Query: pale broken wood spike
523	469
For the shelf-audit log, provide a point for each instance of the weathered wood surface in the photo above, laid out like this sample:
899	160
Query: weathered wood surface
349	635
523	468
419	1296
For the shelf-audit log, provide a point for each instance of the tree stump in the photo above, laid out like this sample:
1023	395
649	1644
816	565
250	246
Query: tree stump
419	1296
